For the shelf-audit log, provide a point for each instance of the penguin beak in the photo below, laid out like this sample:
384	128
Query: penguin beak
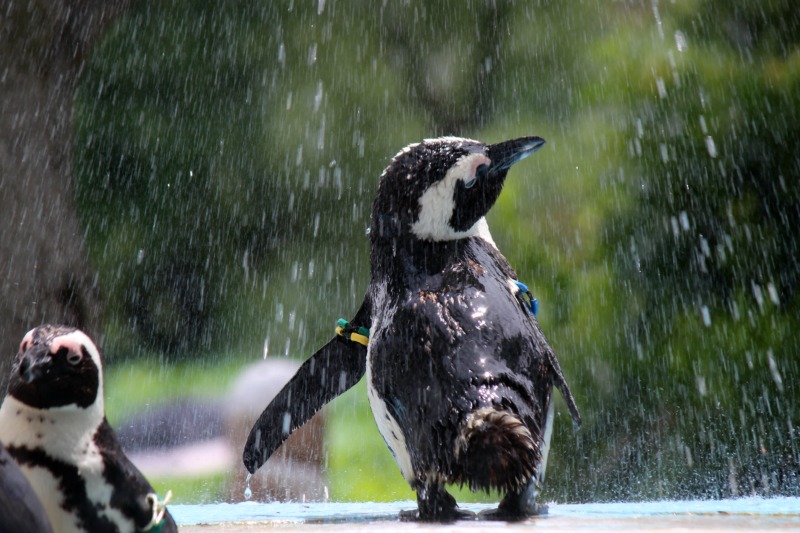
506	153
33	364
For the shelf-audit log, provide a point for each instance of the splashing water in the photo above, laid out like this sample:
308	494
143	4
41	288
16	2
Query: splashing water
247	492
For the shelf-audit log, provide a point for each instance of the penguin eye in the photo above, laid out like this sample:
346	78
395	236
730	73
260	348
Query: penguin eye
73	358
480	172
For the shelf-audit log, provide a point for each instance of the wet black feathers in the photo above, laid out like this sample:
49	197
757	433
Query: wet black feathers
130	487
458	340
332	370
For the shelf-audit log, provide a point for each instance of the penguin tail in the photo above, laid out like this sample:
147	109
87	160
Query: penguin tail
495	450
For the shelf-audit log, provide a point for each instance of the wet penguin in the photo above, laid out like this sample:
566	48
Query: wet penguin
52	422
459	374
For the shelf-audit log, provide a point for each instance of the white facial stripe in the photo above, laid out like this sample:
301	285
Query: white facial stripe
74	341
26	340
437	203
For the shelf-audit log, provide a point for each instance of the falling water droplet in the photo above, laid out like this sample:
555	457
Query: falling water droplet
711	146
287	423
680	41
706	316
247	492
318	96
773	368
312	54
282	55
684	219
662	87
773	293
701	385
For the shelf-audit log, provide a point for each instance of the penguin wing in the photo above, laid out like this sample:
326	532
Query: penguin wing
20	508
540	343
129	486
555	373
331	371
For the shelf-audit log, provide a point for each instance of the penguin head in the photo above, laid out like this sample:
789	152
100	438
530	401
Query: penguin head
440	189
57	366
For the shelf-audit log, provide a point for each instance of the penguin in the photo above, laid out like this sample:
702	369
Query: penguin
52	422
20	508
459	373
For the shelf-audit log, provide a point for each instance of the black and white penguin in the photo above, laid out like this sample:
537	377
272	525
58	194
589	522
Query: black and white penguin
459	374
52	422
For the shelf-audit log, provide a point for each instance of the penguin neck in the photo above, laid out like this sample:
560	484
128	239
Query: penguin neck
401	259
395	253
61	430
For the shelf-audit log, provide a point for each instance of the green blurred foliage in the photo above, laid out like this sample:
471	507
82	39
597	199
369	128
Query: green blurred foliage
227	155
707	251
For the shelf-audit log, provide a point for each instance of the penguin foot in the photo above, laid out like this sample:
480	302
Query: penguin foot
435	504
412	515
512	515
517	506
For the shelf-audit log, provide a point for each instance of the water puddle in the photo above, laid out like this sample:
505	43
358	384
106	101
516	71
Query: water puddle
744	514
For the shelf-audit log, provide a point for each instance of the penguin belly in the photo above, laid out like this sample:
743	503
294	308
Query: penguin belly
59	465
45	485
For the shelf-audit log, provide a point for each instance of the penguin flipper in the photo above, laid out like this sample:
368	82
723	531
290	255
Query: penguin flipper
131	488
561	384
331	371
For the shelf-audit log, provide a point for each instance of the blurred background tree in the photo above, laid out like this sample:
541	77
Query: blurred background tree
45	273
226	156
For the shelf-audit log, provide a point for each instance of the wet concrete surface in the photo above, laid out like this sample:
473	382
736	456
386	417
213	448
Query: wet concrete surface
743	514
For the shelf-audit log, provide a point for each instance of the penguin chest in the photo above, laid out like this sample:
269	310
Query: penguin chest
47	487
58	483
388	426
58	455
